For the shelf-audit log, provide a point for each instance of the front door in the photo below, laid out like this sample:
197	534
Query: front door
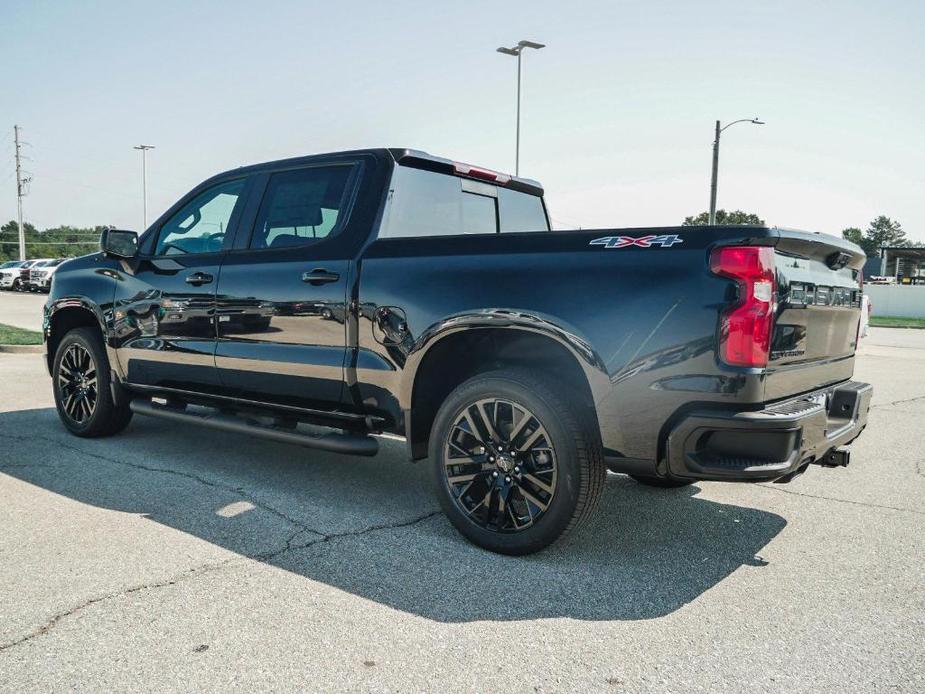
164	308
282	296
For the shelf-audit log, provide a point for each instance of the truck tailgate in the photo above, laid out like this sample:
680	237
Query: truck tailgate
819	289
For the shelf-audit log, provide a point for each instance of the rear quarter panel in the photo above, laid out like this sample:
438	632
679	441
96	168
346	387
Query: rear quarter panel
648	316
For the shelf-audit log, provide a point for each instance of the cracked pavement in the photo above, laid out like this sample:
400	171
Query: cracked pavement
170	559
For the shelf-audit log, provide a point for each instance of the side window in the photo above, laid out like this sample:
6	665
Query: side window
521	211
301	207
200	225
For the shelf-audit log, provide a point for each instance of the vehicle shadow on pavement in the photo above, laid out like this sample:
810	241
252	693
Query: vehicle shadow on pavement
369	527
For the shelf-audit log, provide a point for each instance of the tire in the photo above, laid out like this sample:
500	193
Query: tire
548	487
84	402
663	482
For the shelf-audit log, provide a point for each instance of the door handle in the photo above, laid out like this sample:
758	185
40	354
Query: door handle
198	278
320	276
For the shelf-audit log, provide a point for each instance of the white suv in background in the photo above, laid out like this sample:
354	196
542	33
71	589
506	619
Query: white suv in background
15	276
41	273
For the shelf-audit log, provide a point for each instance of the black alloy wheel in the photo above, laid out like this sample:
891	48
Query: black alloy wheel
83	387
78	384
516	462
500	465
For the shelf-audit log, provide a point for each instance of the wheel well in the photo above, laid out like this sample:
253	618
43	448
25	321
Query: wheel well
62	322
458	357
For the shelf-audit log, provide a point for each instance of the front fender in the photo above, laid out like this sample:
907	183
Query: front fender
84	284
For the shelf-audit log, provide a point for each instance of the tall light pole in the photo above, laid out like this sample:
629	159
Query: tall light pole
516	51
144	182
719	130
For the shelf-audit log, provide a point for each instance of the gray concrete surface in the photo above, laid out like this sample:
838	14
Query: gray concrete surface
23	310
168	559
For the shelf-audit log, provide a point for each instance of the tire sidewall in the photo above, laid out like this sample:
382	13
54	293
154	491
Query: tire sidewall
103	404
568	476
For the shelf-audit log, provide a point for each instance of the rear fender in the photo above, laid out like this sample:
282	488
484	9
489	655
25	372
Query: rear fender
507	319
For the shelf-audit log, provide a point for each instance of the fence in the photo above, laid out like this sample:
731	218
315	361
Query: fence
896	300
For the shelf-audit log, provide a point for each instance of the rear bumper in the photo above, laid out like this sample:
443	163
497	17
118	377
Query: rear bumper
766	445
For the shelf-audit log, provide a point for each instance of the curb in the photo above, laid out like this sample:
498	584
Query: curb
22	349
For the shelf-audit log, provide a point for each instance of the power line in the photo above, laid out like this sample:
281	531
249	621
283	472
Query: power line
49	243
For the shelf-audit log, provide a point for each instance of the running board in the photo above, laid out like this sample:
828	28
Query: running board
351	444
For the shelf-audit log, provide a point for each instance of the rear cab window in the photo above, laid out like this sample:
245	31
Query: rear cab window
427	203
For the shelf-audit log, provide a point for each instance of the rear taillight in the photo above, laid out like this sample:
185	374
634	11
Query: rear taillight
745	328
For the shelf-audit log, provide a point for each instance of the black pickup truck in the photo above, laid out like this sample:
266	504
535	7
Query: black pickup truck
333	299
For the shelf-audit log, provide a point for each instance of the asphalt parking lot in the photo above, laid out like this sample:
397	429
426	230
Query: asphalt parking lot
169	558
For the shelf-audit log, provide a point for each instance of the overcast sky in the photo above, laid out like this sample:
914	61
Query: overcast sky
618	110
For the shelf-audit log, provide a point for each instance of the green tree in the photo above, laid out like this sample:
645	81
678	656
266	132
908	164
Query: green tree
58	242
882	231
724	218
855	235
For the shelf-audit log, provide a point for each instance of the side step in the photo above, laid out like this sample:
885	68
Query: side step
351	444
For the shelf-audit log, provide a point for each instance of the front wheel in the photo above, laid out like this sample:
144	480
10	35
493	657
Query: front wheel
81	379
515	467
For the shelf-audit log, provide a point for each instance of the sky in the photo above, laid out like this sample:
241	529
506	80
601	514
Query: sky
618	109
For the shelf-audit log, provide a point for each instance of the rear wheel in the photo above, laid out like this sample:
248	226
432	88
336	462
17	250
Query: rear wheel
514	467
81	379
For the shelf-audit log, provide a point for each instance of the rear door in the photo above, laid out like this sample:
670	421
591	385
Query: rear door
282	297
164	308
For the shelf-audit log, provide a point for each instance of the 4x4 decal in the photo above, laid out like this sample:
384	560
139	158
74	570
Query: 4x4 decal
664	241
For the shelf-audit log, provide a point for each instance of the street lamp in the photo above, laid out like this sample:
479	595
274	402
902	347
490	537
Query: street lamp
719	130
144	182
516	51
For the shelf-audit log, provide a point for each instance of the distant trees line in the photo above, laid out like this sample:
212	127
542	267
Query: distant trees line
58	242
67	241
882	231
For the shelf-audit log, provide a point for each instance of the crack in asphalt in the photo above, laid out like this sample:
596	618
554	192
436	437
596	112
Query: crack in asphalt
350	533
54	621
898	402
208	568
289	545
841	501
167	471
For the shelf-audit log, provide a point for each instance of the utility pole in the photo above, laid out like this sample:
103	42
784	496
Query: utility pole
712	219
719	130
20	192
144	182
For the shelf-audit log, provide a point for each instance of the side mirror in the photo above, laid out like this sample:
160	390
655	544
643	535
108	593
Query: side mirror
119	243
